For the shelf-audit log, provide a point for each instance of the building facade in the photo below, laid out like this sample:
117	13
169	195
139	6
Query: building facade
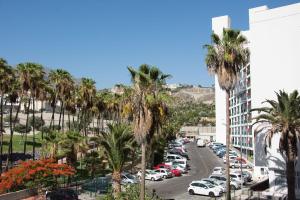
274	43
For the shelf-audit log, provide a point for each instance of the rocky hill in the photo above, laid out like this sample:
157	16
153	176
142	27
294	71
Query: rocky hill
195	94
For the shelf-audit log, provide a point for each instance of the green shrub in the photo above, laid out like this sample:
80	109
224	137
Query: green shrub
39	122
20	128
7	119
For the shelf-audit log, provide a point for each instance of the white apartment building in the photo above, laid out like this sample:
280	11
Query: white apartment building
274	42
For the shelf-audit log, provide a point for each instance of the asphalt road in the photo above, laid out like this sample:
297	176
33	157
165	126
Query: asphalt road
202	162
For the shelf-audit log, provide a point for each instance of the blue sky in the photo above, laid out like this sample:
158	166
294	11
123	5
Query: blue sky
100	38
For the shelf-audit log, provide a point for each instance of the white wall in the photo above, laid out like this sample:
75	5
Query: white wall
275	51
218	23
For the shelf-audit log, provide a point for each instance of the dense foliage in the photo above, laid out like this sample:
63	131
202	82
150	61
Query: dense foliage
38	173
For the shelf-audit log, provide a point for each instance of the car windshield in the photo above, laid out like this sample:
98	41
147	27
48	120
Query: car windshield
210	186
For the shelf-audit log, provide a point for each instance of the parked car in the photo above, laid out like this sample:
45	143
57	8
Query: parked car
176	172
163	166
231	158
165	173
183	170
151	175
233	184
66	194
237	164
215	182
237	177
128	178
179	152
174	157
204	188
218	171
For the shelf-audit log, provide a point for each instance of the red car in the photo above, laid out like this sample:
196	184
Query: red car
175	172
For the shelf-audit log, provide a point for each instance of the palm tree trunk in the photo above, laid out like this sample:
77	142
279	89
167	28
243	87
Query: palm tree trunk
69	120
228	194
53	113
33	128
60	113
63	118
142	193
290	169
116	184
1	131
42	128
27	121
10	150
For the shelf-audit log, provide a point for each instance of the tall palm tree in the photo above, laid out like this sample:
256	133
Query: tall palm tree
87	93
37	74
117	143
63	85
147	81
225	57
12	95
4	71
284	117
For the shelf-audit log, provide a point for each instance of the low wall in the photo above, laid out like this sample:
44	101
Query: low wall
19	195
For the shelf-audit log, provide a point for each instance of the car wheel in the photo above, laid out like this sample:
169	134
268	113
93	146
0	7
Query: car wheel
164	176
233	187
191	192
211	194
152	179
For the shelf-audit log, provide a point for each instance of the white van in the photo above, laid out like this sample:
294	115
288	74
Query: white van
200	143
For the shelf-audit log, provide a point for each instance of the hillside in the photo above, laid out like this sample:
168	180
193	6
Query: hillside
194	94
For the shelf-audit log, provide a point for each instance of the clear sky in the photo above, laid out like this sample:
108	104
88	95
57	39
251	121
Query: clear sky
100	38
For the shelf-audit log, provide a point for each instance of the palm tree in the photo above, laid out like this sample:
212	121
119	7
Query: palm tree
63	85
72	143
4	71
225	57
29	76
146	81
12	95
87	93
284	117
117	143
36	77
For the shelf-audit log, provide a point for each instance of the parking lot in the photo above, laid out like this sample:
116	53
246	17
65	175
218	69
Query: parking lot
202	162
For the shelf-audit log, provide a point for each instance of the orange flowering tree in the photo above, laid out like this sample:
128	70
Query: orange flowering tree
34	173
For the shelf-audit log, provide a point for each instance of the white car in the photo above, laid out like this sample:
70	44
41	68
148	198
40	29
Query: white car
233	184
237	164
151	175
200	143
165	173
218	171
220	184
237	177
174	157
204	188
231	158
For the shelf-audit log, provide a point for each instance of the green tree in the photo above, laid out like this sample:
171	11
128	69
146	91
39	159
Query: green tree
284	117
147	82
63	85
86	94
225	57
71	144
117	143
4	70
